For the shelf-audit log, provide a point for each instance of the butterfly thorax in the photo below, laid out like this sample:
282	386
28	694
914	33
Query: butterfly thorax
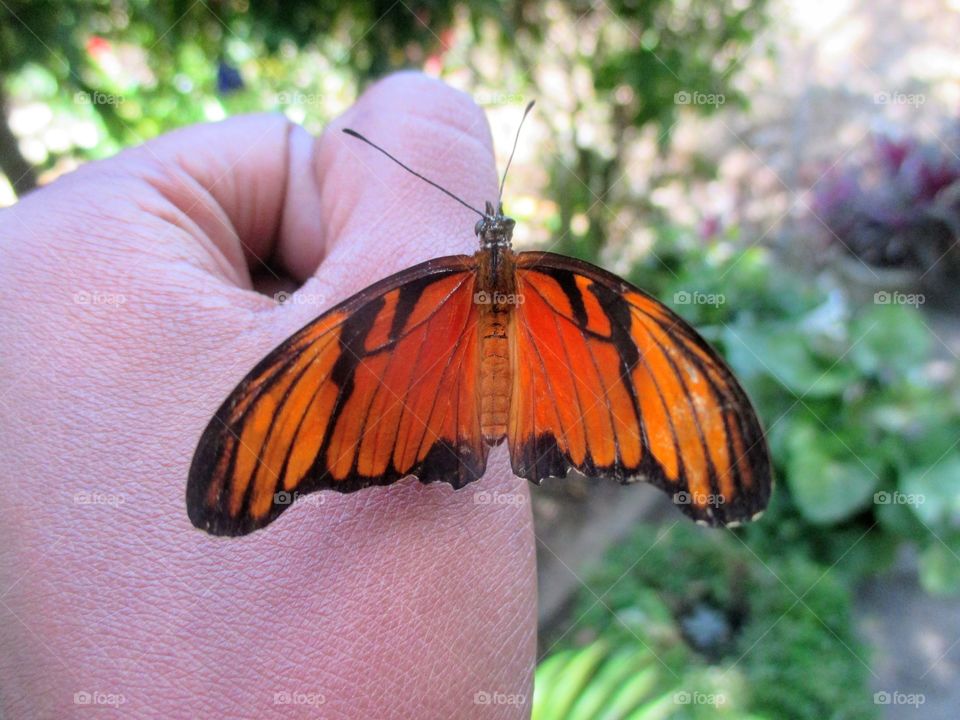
495	294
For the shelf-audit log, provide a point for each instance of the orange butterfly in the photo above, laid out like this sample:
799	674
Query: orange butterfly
421	373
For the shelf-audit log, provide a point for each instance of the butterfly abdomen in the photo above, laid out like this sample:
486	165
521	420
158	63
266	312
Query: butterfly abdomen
496	296
494	374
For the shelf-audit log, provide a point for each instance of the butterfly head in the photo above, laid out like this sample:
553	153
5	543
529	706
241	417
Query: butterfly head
494	229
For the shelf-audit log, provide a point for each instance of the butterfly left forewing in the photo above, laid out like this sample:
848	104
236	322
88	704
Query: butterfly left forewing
609	381
375	389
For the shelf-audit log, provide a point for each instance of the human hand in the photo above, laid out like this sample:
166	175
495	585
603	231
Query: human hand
128	313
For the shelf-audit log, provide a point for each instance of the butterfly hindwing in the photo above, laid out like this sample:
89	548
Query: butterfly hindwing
611	382
375	389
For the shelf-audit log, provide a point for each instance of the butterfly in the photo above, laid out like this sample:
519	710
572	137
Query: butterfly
423	372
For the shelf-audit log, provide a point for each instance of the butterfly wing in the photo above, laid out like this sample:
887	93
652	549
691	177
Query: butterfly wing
377	388
611	382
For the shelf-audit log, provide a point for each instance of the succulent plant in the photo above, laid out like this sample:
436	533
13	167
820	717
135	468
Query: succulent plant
900	207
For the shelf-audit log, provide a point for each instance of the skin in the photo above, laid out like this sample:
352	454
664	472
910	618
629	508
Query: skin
127	313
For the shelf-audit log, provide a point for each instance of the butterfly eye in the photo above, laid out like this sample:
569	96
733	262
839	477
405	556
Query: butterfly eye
478	228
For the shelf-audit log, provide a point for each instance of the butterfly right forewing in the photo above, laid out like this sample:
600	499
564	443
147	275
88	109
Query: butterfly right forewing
611	382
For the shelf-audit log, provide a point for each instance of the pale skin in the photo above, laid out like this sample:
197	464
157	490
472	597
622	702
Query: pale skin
127	313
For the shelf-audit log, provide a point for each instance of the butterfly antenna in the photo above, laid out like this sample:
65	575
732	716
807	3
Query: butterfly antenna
354	133
504	180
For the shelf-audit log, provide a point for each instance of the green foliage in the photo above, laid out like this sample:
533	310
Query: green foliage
607	678
863	436
135	69
693	624
648	62
940	566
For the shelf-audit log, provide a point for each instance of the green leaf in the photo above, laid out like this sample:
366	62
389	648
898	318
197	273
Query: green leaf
570	680
827	483
663	707
889	337
618	669
783	353
897	519
935	490
940	569
637	690
544	678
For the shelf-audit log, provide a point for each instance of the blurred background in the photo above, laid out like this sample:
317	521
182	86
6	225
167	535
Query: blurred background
785	174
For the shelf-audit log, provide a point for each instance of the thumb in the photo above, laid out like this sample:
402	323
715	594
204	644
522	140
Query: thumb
378	217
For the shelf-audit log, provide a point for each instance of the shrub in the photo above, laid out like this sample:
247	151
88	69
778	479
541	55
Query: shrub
692	624
862	423
898	208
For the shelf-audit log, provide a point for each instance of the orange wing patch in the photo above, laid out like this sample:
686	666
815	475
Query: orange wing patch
612	383
375	389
